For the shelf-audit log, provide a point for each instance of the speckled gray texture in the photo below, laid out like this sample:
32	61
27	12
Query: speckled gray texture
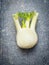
10	53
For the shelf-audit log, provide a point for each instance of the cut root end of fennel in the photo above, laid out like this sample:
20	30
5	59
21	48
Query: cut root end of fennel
26	36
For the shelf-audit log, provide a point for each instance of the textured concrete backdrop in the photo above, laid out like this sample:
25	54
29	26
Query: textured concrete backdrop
10	53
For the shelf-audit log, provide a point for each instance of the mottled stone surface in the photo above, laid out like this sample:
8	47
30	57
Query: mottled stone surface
10	53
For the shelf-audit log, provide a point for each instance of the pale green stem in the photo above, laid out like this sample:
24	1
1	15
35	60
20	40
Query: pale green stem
34	20
17	24
27	23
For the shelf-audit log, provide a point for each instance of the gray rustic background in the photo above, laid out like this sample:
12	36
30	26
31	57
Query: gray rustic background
10	53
